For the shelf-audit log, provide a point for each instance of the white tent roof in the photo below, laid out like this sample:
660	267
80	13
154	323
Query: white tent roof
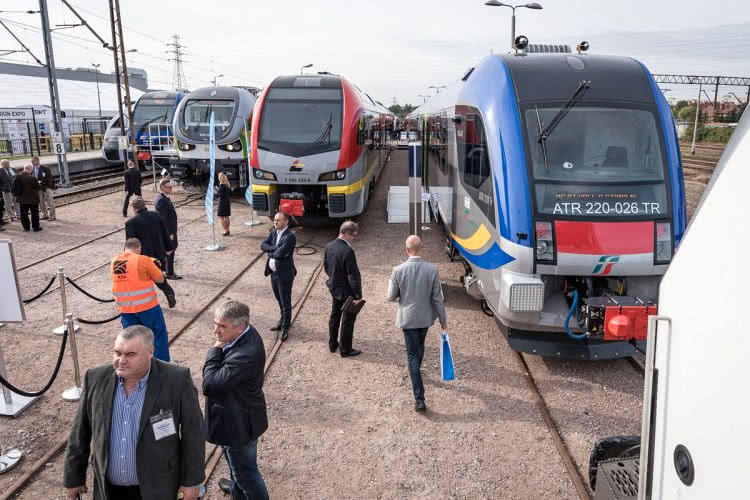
17	90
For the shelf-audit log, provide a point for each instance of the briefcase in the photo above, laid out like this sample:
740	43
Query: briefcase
352	308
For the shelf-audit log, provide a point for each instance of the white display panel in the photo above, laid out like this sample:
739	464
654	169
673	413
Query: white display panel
11	304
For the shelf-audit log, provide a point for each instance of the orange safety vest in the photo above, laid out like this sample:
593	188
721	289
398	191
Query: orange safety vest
132	294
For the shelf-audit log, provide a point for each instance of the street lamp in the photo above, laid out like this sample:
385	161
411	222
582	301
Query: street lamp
495	3
424	97
437	89
214	79
302	68
98	96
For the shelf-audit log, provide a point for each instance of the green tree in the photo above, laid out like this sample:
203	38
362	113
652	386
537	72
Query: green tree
687	114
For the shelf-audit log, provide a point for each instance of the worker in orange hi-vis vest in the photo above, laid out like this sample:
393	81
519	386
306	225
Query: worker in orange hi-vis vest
133	277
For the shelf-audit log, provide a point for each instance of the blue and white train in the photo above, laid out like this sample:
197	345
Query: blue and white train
559	181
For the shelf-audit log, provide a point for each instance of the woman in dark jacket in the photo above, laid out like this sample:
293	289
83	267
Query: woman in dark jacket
225	209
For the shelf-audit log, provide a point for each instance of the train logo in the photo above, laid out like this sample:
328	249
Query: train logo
606	263
296	166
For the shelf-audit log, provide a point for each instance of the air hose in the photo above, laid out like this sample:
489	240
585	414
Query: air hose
574	336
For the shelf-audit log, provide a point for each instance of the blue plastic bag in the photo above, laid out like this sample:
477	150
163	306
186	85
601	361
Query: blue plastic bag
446	357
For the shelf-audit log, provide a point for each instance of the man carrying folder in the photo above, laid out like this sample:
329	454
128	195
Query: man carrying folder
345	284
415	284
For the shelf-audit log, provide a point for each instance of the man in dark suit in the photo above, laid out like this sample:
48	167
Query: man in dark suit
26	191
150	230
279	247
168	215
235	405
132	185
46	188
144	420
344	281
7	176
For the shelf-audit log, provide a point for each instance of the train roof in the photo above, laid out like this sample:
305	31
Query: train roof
291	81
161	94
217	93
552	77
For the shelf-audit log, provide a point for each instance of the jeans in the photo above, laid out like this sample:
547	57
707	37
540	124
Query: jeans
282	290
243	465
154	320
414	339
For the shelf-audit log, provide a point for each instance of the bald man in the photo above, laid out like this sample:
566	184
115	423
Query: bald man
415	285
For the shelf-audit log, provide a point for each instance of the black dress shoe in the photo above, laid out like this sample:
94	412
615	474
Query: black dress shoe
37	229
420	407
173	276
350	353
333	346
226	486
171	300
284	334
276	328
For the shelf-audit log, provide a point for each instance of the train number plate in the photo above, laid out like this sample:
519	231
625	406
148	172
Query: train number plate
296	180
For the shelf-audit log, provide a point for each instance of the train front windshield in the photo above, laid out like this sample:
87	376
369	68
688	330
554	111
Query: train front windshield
601	160
153	111
301	121
197	117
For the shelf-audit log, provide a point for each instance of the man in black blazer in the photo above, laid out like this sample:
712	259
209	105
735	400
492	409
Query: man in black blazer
168	215
279	247
235	405
150	230
152	457
344	281
132	185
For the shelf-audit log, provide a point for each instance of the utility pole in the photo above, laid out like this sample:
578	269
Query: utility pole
98	96
179	82
697	112
54	97
121	75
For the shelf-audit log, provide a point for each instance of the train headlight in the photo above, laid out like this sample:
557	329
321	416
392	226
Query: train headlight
232	147
333	176
183	146
266	176
663	243
545	248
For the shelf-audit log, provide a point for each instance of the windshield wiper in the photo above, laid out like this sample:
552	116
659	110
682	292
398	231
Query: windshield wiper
544	146
325	135
577	95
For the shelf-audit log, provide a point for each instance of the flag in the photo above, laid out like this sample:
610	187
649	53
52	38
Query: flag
249	190
209	202
446	357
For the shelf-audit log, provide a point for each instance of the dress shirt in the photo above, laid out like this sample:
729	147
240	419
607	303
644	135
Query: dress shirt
123	437
272	262
230	344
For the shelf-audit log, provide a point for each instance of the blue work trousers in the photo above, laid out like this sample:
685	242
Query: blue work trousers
243	465
414	340
153	319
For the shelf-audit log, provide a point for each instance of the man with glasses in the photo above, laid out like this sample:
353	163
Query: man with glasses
168	215
344	281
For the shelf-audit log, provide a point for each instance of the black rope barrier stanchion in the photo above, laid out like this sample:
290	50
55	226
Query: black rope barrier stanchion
35	297
35	394
73	393
97	322
87	294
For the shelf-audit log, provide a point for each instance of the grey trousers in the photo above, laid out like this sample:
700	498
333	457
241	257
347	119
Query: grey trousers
46	200
12	209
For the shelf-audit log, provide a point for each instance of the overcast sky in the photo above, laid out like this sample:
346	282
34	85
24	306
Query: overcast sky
391	49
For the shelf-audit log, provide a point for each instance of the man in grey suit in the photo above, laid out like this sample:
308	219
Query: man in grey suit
144	420
415	284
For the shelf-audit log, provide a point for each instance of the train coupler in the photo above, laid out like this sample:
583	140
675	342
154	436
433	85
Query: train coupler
618	318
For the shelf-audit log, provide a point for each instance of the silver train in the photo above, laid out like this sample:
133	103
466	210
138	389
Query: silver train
233	109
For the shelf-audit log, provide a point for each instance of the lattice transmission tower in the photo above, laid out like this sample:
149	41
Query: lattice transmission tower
179	82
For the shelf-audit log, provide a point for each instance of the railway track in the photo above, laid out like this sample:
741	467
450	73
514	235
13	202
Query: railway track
215	454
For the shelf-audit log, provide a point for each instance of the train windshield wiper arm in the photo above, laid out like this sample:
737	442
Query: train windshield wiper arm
544	146
577	95
325	135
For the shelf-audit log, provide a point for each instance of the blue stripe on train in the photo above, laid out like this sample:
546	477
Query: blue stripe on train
493	258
